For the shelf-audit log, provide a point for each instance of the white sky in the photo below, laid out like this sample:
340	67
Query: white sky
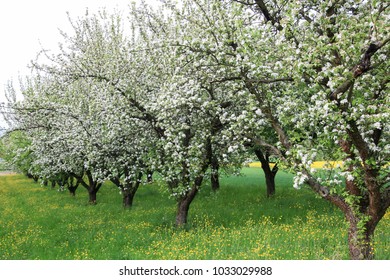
27	26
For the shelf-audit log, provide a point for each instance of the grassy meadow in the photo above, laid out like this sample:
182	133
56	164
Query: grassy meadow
237	222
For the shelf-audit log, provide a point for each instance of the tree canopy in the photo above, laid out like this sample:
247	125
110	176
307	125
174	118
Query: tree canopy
194	84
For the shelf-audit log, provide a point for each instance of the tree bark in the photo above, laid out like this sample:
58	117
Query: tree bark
128	199
129	192
72	185
184	202
214	173
268	172
183	206
270	180
128	189
92	195
213	159
215	181
360	241
92	186
360	232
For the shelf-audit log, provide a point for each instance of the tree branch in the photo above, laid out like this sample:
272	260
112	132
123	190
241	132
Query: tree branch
362	67
146	116
325	193
263	8
263	143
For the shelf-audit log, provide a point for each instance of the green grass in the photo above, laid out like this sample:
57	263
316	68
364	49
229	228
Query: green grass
238	222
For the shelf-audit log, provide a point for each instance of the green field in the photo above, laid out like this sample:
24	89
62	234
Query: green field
238	222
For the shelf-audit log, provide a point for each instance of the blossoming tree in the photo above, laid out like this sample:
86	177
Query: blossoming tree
197	82
314	72
328	62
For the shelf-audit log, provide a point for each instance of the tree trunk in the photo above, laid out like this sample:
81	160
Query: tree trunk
72	190
92	195
92	186
129	193
268	172
128	199
183	206
359	242
362	217
130	189
215	181
214	173
270	180
214	164
72	185
184	202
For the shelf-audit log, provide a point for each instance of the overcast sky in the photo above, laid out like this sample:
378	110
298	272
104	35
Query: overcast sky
28	25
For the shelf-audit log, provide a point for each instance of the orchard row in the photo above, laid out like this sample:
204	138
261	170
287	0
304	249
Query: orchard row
188	89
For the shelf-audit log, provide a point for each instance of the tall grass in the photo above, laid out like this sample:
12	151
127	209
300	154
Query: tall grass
237	222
